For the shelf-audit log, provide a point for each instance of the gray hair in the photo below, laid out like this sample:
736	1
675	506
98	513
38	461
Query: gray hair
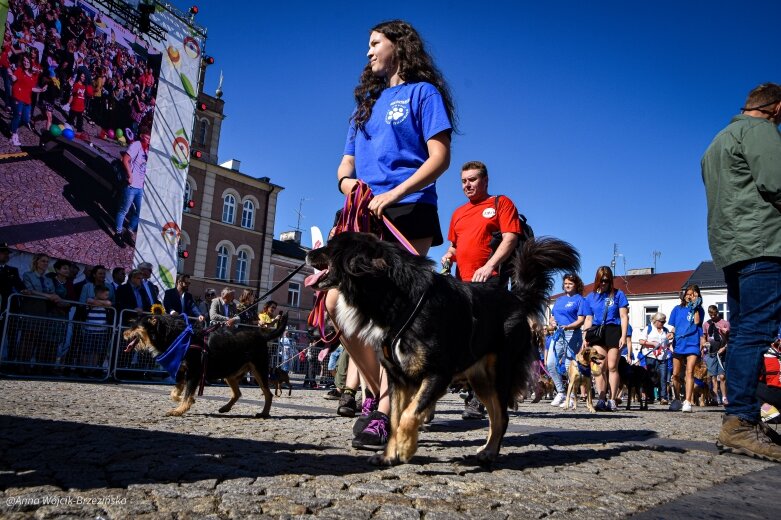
226	291
659	316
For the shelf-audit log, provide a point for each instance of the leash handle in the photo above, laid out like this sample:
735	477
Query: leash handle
356	217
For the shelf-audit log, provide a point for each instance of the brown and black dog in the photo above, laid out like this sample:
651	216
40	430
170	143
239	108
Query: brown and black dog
429	329
279	377
230	353
702	395
586	366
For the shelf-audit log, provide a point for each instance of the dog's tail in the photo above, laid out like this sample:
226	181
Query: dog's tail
534	268
532	280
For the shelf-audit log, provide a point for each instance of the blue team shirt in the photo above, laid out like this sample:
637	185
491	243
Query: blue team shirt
594	305
393	146
567	309
687	335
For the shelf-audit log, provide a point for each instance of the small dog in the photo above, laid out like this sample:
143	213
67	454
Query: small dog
587	365
702	394
429	329
637	381
230	353
544	388
279	377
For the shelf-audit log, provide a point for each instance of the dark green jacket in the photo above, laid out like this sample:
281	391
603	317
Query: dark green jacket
741	170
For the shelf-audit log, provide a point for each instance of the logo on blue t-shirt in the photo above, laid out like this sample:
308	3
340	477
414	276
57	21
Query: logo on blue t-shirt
398	112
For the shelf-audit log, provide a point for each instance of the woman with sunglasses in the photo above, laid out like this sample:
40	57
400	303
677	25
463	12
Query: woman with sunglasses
609	306
686	333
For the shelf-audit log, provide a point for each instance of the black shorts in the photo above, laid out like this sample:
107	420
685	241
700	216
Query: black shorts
414	221
612	336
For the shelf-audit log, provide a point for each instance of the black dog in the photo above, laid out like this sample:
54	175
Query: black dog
430	329
279	377
230	353
637	380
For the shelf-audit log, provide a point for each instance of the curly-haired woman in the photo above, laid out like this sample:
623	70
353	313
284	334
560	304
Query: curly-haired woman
399	144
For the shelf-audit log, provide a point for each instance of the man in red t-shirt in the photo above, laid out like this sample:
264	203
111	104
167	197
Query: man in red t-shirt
471	231
473	225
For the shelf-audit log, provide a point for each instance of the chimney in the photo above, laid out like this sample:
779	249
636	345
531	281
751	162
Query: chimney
233	164
291	236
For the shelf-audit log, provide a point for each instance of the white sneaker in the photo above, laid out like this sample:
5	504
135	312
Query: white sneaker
675	405
557	400
15	140
687	407
611	405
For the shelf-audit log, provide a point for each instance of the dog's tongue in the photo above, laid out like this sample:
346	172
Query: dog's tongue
312	279
131	344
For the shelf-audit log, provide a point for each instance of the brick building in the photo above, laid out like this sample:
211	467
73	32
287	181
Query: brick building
229	229
228	232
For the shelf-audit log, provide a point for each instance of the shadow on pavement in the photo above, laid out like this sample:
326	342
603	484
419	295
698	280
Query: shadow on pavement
36	452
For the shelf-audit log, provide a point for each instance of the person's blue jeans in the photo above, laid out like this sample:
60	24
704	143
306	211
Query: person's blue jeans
7	99
21	115
566	346
131	203
660	367
754	300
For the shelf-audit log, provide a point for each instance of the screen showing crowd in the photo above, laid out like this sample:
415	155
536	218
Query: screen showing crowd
78	90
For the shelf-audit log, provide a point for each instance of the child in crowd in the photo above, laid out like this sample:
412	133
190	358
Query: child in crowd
96	331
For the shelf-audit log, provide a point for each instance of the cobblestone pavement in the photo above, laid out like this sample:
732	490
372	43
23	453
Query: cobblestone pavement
83	450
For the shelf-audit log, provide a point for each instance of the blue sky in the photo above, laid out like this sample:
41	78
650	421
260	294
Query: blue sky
591	116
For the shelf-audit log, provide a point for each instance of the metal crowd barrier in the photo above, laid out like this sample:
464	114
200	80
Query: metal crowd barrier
46	339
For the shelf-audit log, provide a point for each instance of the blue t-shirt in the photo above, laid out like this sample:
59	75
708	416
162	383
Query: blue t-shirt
687	335
393	144
567	309
594	305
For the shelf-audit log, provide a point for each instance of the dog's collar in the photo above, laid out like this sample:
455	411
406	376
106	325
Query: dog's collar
403	329
584	371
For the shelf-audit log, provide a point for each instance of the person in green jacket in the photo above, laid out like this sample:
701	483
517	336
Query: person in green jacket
741	170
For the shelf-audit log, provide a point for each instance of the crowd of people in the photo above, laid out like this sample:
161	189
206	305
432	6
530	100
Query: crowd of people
55	56
398	143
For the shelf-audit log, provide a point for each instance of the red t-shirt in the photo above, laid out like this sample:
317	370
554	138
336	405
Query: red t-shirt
23	86
79	91
471	229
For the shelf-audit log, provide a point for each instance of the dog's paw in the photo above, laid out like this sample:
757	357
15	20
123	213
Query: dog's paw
174	413
381	460
262	415
225	409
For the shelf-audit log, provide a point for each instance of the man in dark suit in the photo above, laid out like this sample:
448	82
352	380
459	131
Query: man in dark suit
152	290
10	281
179	300
133	295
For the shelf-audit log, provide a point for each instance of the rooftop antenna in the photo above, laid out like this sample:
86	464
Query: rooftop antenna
616	254
300	214
656	255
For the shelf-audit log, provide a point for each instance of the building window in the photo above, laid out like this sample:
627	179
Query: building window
222	263
294	294
248	215
188	194
228	208
202	132
649	312
723	310
242	264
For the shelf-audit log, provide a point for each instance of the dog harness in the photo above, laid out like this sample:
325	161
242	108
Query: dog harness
389	348
584	371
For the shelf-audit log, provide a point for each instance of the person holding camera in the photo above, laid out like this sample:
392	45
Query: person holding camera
716	331
686	333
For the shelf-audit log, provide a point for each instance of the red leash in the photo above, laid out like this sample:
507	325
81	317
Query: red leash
355	217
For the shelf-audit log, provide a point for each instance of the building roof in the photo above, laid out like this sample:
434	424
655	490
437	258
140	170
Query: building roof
646	284
707	276
289	249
